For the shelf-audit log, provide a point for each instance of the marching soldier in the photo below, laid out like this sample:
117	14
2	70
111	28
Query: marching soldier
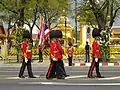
52	68
96	55
56	68
60	62
26	56
70	51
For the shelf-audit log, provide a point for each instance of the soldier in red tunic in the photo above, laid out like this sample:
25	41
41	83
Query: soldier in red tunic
96	55
70	51
26	56
55	69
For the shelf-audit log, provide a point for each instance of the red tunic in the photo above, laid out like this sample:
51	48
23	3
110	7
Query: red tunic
70	51
96	49
24	46
26	52
56	49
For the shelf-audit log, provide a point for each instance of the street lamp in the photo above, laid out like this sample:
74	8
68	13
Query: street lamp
76	19
65	22
65	28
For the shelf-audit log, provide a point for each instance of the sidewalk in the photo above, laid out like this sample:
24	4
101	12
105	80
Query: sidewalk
46	63
77	61
13	63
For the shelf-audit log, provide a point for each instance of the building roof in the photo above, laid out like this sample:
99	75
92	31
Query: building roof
61	24
116	28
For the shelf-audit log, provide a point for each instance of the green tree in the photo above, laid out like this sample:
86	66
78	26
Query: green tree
51	10
18	40
16	12
21	12
101	14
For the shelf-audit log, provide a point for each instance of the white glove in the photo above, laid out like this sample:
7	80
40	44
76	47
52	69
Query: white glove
26	60
54	59
96	59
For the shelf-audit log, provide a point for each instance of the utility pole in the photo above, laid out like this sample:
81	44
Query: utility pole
65	23
65	31
76	20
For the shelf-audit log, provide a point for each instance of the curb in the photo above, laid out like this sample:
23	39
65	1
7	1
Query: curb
100	64
65	64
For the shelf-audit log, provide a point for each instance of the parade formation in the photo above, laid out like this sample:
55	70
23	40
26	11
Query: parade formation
56	68
60	44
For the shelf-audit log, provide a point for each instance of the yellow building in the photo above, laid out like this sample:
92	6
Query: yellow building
66	29
115	39
85	35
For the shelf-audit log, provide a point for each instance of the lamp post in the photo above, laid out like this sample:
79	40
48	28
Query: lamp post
65	23
65	30
76	20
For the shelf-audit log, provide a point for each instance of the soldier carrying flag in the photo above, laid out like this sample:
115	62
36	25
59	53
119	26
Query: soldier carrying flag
42	36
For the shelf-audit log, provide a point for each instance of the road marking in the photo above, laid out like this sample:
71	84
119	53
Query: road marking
12	78
70	84
109	78
21	78
101	71
82	76
71	77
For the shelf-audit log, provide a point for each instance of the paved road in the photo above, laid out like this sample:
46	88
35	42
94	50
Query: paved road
76	81
59	85
72	71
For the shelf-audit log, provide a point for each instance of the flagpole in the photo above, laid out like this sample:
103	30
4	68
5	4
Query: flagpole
40	51
40	28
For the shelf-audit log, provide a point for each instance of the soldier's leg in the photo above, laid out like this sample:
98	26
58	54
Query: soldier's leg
22	68
91	68
59	70
29	68
63	68
70	61
51	70
97	69
88	57
40	56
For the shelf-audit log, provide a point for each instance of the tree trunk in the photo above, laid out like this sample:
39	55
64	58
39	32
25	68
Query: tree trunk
105	48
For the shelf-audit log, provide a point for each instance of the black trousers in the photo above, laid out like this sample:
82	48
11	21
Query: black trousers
28	64
52	70
87	56
96	66
69	60
60	68
56	69
40	56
